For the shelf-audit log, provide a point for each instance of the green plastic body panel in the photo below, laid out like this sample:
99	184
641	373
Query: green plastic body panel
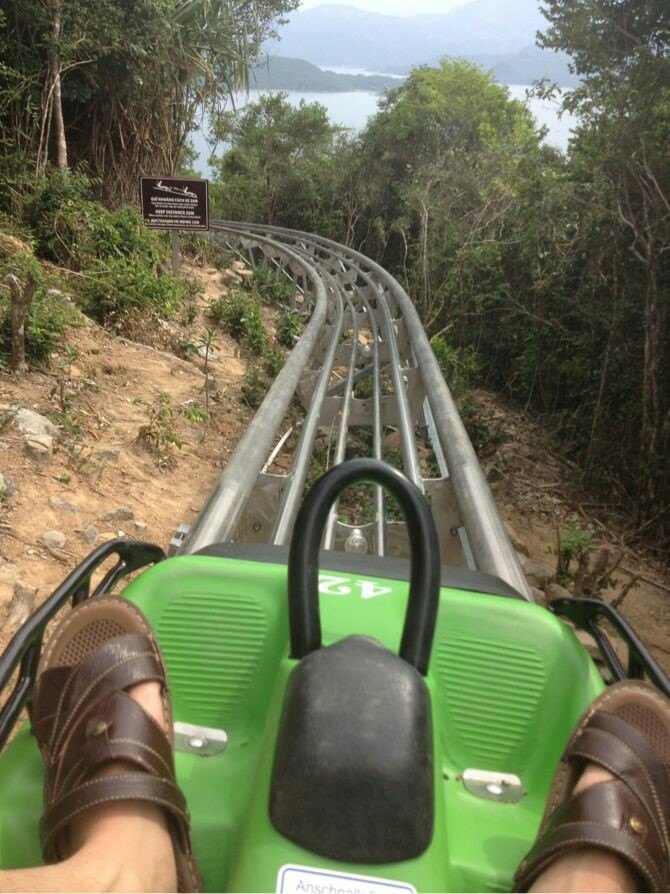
507	681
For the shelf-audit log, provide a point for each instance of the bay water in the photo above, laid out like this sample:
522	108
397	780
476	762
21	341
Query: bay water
352	110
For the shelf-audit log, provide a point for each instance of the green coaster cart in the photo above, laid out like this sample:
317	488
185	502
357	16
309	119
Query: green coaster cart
343	723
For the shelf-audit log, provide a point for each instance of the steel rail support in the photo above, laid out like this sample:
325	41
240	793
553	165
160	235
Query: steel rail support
491	548
219	516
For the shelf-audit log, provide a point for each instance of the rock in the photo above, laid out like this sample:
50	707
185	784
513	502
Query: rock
53	539
31	423
141	526
537	574
9	573
231	278
212	356
54	293
7	488
39	447
556	591
107	456
539	596
517	542
89	535
494	474
62	505
121	513
22	604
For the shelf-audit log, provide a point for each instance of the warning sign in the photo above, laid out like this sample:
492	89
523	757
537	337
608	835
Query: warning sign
171	203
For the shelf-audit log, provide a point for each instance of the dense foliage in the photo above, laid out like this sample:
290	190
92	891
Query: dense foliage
116	85
552	273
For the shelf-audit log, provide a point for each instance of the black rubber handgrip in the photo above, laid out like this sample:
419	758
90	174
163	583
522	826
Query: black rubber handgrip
303	564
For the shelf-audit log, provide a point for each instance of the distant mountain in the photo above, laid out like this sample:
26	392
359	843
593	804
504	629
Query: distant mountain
524	67
528	65
348	36
279	73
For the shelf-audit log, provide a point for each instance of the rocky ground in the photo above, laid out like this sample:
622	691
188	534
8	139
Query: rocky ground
544	503
89	451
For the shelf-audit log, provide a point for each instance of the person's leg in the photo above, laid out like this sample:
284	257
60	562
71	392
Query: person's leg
122	846
589	869
607	820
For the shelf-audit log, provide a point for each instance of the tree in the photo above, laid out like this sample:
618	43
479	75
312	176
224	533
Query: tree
440	162
280	164
117	86
621	51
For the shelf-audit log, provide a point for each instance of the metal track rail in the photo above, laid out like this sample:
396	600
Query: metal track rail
362	326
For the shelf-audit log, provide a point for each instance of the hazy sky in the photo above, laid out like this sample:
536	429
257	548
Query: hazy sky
392	7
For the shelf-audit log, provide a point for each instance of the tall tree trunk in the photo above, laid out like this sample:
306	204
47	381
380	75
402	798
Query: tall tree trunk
22	296
651	421
55	86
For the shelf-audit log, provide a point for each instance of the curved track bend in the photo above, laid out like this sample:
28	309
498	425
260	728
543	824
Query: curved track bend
362	324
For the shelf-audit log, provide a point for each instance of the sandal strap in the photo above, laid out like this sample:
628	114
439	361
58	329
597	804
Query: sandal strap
615	745
63	692
605	815
98	744
116	728
126	787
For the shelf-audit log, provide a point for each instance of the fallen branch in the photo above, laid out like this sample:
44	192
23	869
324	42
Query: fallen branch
618	600
647	580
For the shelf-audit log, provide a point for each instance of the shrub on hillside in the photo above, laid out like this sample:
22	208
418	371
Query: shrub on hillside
461	367
290	327
74	231
119	285
240	317
273	287
48	315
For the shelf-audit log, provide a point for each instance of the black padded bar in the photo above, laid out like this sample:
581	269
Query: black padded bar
303	566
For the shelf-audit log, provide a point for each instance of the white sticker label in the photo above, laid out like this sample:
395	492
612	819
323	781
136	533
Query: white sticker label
331	585
293	879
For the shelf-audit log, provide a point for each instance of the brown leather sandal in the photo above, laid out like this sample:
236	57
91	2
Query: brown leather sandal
626	731
82	718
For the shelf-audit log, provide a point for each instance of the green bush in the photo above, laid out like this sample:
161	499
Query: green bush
254	387
55	214
46	323
273	287
118	233
240	317
290	326
483	430
119	285
461	367
273	361
47	317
